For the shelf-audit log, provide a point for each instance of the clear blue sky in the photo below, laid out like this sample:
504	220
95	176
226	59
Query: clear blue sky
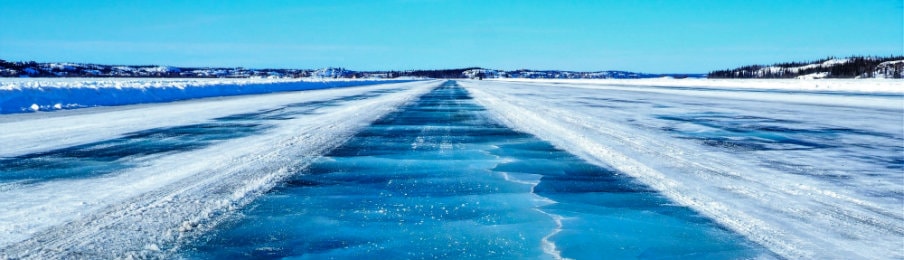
645	36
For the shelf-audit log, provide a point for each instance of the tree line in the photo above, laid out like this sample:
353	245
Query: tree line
852	67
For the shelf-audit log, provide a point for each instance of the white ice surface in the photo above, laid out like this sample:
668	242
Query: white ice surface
826	203
841	85
142	210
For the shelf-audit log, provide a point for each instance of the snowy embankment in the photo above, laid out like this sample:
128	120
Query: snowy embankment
146	209
813	175
19	95
839	85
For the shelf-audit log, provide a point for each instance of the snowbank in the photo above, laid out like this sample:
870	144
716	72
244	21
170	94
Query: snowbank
895	86
18	95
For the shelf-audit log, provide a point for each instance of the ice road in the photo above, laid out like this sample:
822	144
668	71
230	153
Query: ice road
439	178
807	174
466	169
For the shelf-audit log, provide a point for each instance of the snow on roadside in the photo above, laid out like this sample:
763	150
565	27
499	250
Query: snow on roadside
18	95
36	132
141	211
795	215
894	86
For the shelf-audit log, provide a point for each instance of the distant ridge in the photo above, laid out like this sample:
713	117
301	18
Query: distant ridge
69	69
831	67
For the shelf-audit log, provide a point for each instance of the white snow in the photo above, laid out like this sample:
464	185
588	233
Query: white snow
835	202
825	203
18	94
824	64
134	212
817	75
23	83
41	132
890	69
833	62
895	86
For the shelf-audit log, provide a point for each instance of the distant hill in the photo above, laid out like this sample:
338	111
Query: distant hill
69	69
851	67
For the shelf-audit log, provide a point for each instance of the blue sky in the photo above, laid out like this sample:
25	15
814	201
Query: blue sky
645	36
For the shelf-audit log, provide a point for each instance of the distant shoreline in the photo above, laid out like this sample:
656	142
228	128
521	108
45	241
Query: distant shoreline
853	67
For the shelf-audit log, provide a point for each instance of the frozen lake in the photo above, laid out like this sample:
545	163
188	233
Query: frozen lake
466	169
440	179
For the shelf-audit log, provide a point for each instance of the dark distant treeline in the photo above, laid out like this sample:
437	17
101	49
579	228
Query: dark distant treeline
436	74
439	74
831	67
68	69
47	69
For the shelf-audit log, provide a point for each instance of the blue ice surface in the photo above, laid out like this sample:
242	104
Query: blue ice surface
113	155
439	179
21	99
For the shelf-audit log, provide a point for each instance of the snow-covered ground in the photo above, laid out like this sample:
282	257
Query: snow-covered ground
806	168
19	95
176	164
809	169
893	86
